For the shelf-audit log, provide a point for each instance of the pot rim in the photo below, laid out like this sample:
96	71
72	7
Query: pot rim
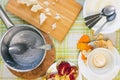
36	29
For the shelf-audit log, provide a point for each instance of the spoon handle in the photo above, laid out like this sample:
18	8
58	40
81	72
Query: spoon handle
99	29
45	47
91	16
90	21
94	22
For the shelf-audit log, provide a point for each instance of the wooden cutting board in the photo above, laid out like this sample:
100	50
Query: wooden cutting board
68	10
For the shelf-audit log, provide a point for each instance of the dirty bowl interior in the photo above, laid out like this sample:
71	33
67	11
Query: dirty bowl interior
31	58
109	61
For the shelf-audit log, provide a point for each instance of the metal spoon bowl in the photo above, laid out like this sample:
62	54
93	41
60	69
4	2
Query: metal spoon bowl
108	11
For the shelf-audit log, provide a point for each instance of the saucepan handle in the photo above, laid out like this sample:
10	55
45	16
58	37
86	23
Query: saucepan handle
5	18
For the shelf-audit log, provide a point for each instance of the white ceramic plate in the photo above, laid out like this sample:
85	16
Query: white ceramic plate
95	6
92	76
52	69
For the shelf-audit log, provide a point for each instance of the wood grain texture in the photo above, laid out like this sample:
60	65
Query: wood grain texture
68	10
41	70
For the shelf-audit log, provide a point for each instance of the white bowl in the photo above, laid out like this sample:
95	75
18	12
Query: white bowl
93	75
107	61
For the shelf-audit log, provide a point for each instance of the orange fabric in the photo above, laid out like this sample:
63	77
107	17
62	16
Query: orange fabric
83	43
85	39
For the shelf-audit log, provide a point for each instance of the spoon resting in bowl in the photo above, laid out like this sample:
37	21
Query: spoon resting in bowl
22	47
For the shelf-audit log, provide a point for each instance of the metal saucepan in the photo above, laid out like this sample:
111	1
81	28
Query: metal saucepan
27	34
